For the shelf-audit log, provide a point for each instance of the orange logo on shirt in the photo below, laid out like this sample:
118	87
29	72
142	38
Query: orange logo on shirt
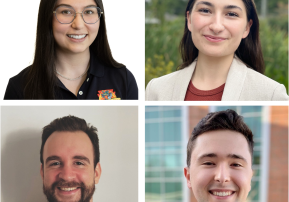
107	95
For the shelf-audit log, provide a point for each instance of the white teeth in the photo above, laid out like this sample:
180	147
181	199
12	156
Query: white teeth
68	188
76	36
224	193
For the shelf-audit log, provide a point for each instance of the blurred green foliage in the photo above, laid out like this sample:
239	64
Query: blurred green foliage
158	8
279	22
157	67
163	39
275	52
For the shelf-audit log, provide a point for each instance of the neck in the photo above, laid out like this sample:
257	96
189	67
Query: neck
211	72
72	65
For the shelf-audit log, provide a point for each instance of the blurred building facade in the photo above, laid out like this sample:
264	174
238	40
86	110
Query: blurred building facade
167	132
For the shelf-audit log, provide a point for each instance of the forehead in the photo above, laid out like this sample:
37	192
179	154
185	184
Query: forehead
67	144
222	143
76	3
221	3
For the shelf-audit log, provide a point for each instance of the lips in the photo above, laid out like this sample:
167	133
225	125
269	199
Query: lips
77	36
214	37
221	194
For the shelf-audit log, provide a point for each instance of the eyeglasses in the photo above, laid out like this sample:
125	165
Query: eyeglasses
66	14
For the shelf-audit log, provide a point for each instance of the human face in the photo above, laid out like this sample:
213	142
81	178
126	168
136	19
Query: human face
62	32
68	171
220	169
218	26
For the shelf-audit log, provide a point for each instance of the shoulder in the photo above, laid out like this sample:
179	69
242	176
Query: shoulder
161	88
172	86
166	79
258	78
263	87
123	75
246	84
16	85
20	77
132	89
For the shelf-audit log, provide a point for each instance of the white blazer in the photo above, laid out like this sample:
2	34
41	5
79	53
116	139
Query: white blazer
242	84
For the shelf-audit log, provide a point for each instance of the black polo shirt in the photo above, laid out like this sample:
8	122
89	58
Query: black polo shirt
101	82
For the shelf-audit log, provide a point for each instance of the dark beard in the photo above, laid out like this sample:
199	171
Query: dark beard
86	191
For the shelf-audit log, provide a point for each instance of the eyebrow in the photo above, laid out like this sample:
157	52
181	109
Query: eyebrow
72	6
53	158
213	155
211	5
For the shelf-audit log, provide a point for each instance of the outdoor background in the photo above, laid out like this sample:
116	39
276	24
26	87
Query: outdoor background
167	130
164	25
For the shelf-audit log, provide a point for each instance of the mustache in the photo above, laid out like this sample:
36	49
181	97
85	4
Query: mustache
63	183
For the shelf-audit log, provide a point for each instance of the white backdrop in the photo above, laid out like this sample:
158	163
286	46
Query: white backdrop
20	150
125	29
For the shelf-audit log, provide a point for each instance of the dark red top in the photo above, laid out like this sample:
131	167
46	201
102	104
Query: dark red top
194	94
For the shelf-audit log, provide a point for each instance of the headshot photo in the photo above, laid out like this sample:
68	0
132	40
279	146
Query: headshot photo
216	50
219	158
216	153
77	154
66	157
72	49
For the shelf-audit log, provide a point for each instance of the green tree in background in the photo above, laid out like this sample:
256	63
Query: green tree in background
157	66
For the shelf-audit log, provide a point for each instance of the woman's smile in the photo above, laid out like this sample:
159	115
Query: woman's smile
77	38
214	38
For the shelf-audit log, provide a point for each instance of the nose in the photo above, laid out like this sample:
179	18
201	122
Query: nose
222	174
67	173
216	25
78	22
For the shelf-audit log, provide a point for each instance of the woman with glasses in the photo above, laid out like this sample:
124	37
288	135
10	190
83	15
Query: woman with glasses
222	57
72	57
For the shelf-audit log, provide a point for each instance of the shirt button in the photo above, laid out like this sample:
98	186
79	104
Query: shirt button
80	92
87	79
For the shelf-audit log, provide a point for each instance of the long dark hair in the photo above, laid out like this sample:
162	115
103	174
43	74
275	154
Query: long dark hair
40	79
249	50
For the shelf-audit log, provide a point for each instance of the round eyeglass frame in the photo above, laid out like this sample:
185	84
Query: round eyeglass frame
79	13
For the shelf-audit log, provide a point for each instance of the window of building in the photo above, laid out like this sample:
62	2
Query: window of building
164	154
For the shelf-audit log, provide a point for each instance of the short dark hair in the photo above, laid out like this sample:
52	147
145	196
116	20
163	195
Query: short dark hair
221	120
71	124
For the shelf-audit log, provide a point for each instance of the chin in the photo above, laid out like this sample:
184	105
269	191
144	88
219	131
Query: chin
76	50
215	53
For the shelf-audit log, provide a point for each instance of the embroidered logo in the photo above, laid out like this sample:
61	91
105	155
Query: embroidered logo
107	95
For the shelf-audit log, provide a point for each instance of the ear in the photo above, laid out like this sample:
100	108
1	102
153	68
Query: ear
41	171
189	20
97	173
187	176
247	30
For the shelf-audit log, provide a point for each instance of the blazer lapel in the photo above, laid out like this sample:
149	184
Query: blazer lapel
235	80
182	82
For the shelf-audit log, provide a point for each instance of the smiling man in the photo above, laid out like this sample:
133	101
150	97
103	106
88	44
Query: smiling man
219	158
69	158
